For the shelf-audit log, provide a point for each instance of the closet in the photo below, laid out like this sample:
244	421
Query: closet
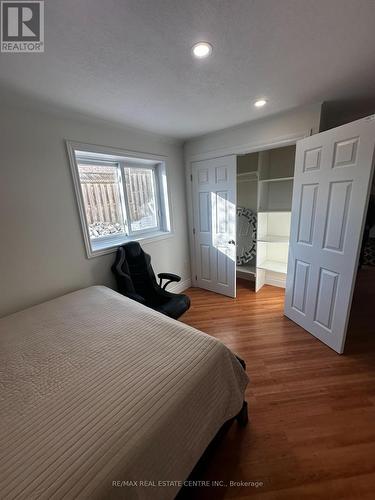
245	224
264	202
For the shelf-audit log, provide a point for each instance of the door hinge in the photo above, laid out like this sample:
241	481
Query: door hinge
193	230
191	177
196	277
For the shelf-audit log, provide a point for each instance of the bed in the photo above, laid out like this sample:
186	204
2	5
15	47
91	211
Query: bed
104	398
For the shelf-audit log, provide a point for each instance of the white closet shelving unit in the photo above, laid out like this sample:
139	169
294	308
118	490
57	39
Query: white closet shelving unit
275	188
275	169
272	248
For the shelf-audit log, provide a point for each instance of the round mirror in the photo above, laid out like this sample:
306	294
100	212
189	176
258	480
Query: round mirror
246	235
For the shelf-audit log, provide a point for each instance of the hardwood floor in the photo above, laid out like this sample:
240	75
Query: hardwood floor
312	428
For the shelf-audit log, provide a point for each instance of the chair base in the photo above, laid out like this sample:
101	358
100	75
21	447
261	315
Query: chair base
175	307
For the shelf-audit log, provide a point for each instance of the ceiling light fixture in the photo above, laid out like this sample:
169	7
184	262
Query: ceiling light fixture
259	103
201	50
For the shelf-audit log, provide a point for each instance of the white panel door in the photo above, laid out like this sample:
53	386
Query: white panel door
214	200
333	173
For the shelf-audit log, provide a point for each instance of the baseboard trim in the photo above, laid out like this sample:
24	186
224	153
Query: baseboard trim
179	287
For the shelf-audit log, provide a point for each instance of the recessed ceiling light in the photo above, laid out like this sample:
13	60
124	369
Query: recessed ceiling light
201	50
259	103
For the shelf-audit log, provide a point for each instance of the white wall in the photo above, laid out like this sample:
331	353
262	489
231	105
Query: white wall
42	250
247	194
249	137
256	133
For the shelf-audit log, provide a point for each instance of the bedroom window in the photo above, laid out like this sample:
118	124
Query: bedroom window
120	197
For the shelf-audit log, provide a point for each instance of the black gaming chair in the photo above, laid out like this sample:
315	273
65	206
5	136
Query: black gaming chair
136	280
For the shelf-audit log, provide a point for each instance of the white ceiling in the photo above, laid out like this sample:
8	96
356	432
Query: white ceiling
129	61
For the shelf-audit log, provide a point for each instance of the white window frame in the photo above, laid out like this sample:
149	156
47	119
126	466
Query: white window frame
158	197
124	158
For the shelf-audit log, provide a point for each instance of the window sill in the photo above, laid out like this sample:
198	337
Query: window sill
100	248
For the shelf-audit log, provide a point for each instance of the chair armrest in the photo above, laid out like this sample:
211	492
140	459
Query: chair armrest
168	276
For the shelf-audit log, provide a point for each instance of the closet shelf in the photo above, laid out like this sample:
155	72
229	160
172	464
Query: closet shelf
277	179
274	265
278	211
247	176
247	269
272	238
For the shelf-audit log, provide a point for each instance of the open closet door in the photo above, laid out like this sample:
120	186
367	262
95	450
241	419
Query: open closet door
333	172
214	207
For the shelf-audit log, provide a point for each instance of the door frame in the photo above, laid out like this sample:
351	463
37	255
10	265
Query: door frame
278	142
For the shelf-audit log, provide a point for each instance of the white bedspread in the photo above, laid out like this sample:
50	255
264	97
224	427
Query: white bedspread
96	388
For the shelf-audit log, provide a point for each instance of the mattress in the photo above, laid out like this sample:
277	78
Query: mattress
102	397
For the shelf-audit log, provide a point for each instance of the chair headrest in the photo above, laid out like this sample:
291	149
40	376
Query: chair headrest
132	249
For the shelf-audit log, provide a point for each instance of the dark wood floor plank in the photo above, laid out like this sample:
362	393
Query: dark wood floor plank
312	428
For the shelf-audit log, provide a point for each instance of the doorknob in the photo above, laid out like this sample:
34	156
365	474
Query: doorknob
231	242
